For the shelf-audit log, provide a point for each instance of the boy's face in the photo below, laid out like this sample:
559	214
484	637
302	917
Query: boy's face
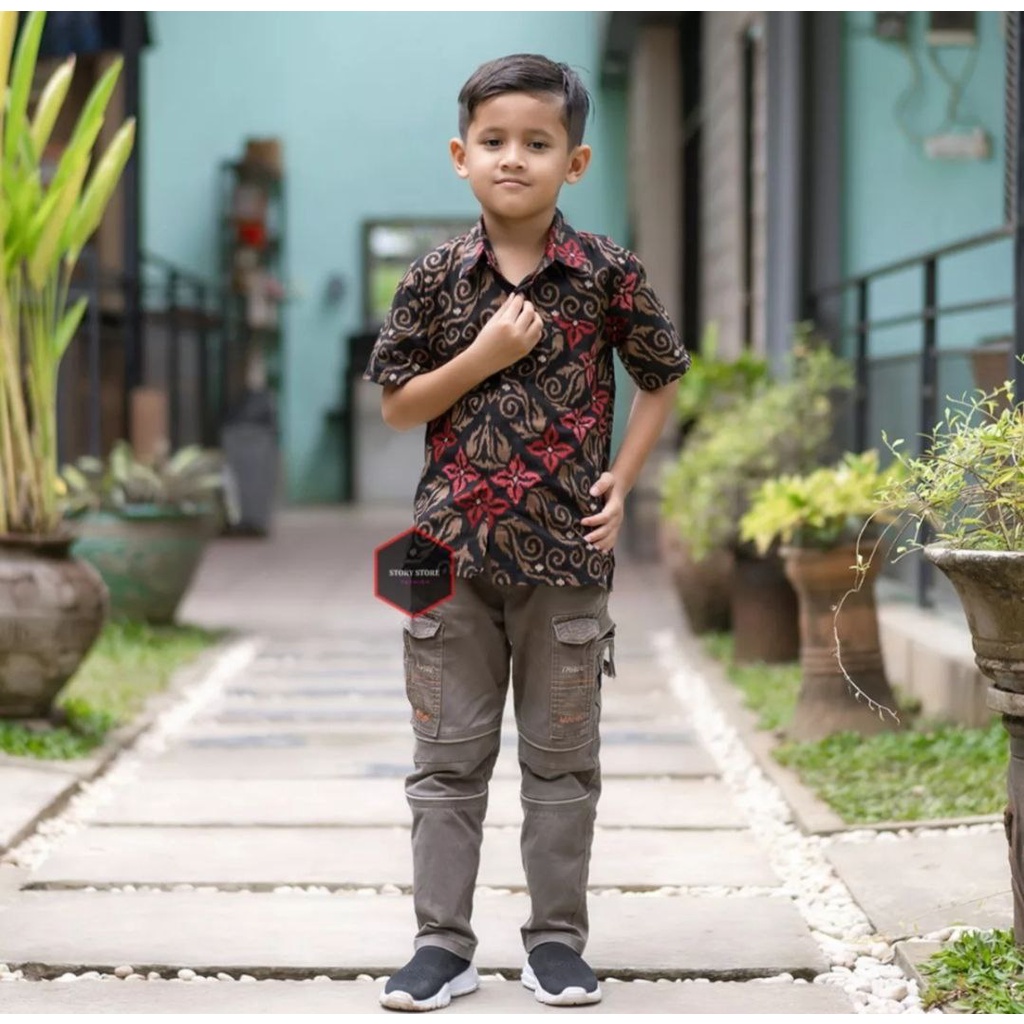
516	155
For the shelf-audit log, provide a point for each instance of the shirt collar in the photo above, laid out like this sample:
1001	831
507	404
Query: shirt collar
563	246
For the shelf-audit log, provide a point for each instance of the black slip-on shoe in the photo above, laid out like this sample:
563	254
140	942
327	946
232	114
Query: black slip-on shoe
559	976
429	981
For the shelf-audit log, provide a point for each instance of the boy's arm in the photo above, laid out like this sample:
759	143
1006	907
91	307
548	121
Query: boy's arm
647	418
508	336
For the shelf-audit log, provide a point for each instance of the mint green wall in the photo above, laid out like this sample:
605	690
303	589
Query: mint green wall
365	104
897	201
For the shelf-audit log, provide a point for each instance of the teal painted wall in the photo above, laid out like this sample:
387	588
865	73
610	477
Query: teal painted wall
365	104
897	201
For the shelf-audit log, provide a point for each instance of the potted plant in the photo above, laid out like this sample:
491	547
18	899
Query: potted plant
819	519
52	605
145	526
968	487
783	426
712	384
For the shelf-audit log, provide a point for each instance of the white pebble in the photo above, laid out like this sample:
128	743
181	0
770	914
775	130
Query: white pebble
321	977
135	977
187	974
153	976
390	890
222	976
246	977
123	971
89	976
4	969
67	977
881	951
894	990
364	977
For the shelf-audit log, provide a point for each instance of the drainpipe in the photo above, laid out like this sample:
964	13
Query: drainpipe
784	271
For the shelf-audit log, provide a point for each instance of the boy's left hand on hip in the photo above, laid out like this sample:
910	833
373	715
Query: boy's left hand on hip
607	522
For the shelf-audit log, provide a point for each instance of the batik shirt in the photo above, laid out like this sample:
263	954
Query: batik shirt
508	468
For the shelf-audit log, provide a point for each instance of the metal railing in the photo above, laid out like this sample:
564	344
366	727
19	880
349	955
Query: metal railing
168	330
851	323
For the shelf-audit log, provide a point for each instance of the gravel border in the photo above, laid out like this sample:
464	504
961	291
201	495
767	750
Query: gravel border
862	962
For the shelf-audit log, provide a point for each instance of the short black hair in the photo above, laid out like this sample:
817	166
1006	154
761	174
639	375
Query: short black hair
527	72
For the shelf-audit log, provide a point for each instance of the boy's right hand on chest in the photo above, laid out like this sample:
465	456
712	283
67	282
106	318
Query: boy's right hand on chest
510	334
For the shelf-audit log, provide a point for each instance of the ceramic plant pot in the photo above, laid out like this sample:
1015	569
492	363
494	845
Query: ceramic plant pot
52	608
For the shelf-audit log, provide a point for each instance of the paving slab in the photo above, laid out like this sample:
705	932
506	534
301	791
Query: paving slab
728	938
392	758
917	885
24	793
270	857
320	714
361	997
641	803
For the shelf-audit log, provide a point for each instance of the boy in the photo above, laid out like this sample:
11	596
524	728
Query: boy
501	341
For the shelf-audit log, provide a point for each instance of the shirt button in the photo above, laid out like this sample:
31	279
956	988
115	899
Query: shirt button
542	359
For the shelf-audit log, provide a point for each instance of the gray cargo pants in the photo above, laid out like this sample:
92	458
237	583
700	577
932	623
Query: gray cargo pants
457	671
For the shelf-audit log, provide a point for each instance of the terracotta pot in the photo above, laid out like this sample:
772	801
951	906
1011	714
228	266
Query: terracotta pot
52	608
764	611
990	585
704	587
827	702
147	557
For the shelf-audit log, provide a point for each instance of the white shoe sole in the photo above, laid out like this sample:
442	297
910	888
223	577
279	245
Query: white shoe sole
574	996
461	985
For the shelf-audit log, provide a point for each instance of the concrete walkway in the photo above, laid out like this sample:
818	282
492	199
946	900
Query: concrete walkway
270	839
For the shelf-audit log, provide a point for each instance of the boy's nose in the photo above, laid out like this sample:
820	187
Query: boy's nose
512	157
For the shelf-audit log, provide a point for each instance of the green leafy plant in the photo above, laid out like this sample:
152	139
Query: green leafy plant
980	972
968	486
193	480
822	509
782	427
716	383
44	226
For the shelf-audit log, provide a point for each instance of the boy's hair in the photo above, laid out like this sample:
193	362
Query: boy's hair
527	72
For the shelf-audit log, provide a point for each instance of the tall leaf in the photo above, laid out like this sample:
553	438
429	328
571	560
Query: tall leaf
21	83
67	327
89	123
49	105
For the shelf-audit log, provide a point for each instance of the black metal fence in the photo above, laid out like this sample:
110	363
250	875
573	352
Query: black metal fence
904	365
170	333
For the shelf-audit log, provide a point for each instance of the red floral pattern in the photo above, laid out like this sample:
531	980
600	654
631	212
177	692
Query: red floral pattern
516	479
512	461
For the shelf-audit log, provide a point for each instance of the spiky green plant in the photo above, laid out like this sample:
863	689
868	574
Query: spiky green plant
44	226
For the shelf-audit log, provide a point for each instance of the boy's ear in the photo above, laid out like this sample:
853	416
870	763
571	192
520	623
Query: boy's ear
579	161
457	148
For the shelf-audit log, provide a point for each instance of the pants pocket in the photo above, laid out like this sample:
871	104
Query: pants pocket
424	660
574	677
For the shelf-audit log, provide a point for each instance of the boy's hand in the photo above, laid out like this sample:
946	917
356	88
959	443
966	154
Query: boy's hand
510	334
607	522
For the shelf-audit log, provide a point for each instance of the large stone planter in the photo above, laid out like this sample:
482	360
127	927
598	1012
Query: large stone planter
764	611
147	556
827	702
52	607
704	587
990	585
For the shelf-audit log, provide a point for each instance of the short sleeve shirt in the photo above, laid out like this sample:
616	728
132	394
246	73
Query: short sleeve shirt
508	469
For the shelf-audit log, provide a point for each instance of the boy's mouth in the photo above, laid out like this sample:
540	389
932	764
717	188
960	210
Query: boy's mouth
512	182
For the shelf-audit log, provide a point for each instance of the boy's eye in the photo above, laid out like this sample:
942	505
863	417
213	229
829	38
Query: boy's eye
492	143
538	145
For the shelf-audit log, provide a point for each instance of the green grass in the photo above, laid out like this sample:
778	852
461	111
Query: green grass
923	772
981	972
768	690
940	772
129	663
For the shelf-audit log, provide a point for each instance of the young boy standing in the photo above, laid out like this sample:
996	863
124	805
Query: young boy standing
501	342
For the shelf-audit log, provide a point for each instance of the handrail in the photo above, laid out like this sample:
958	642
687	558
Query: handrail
910	262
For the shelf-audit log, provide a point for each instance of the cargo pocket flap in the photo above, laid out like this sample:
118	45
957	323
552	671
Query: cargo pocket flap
422	628
576	631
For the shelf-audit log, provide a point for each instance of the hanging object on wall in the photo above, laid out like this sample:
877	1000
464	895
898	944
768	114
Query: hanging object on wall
957	137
